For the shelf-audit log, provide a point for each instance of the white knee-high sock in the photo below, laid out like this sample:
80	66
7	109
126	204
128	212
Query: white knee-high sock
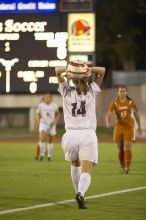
75	176
42	146
84	183
50	149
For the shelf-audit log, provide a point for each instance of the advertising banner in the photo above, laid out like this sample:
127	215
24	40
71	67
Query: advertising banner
81	32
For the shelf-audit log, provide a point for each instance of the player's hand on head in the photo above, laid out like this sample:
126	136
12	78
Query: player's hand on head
88	73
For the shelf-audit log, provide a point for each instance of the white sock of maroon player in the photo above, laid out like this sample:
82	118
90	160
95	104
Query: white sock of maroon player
84	183
42	146
75	176
49	150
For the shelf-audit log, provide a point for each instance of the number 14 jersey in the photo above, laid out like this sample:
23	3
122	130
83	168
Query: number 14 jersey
79	110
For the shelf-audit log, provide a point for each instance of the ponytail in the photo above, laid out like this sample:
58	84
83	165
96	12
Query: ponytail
81	85
128	97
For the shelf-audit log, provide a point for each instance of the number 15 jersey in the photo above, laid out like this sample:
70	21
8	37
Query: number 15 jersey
79	110
124	112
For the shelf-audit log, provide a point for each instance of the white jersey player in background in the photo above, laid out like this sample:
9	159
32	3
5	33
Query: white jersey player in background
79	143
47	115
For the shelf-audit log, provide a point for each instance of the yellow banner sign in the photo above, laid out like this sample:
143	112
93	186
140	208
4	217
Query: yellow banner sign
81	32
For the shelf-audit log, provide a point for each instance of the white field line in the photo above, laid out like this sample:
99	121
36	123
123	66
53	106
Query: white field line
70	201
103	172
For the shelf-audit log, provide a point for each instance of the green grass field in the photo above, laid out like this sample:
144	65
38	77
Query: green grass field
25	182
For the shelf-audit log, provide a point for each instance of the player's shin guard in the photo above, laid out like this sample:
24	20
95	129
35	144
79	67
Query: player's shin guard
49	150
127	158
42	146
75	176
84	183
121	158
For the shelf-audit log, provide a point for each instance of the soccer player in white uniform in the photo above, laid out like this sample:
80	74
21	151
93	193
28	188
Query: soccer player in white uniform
47	115
79	143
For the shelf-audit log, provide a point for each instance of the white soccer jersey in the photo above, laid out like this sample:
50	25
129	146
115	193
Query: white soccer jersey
79	110
47	112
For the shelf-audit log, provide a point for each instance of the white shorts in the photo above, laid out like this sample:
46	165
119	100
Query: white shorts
48	129
80	144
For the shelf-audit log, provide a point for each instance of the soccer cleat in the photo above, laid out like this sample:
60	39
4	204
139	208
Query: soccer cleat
125	171
80	200
122	171
41	157
49	158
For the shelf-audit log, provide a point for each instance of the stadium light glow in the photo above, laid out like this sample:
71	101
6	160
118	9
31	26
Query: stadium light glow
61	53
54	63
38	63
33	87
46	63
53	80
8	65
8	36
29	76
